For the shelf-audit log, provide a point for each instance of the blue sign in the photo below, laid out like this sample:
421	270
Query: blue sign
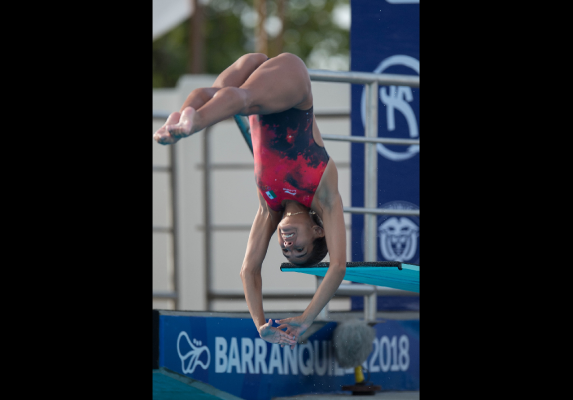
228	354
385	38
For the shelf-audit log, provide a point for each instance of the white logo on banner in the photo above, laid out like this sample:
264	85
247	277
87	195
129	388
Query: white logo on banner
398	239
192	355
247	355
396	98
399	235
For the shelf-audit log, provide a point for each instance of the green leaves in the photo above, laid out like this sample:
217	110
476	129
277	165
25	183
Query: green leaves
312	30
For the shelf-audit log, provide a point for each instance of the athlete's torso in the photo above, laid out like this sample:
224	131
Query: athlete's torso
288	162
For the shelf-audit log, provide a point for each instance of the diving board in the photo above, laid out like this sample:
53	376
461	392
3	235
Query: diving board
392	274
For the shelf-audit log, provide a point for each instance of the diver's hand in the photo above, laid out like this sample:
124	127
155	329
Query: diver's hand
295	326
275	335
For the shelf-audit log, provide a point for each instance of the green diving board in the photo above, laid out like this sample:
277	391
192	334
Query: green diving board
392	274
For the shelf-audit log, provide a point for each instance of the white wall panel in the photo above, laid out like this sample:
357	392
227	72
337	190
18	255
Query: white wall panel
162	262
233	196
161	199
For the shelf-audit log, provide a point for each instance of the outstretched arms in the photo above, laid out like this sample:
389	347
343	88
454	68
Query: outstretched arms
335	232
330	203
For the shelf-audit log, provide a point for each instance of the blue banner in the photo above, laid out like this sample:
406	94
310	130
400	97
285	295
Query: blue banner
385	38
228	354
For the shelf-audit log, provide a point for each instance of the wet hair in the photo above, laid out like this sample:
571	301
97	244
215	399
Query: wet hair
319	249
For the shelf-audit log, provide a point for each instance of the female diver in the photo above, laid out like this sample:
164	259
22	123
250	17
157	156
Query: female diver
297	181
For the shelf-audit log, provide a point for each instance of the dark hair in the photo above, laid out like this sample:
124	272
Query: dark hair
319	250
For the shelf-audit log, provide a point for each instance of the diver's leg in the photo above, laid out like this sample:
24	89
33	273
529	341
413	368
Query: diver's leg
227	102
277	85
237	73
234	76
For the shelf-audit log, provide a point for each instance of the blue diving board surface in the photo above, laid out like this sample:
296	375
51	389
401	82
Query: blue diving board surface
394	274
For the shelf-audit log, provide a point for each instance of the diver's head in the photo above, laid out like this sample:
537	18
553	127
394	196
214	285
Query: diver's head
301	238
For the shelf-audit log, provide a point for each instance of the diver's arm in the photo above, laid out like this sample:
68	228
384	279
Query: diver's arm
331	213
335	233
264	225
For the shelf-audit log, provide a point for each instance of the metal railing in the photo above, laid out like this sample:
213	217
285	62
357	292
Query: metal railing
173	229
371	81
370	139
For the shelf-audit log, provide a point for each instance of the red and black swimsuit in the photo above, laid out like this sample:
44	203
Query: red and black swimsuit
288	162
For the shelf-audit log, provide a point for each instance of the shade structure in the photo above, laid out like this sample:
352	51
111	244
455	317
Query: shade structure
394	274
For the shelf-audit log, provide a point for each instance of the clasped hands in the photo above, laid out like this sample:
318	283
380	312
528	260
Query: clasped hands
295	327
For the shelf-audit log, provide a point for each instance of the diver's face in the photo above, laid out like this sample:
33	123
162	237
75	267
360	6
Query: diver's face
296	237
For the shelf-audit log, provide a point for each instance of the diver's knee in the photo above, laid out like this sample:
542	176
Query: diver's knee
238	95
204	94
258	57
291	58
253	60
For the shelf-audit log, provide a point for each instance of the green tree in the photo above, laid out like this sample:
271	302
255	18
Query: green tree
310	31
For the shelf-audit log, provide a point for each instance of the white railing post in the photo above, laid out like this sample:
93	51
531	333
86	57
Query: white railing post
370	189
323	315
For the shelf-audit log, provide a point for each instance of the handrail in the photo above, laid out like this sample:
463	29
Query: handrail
326	113
160	114
362	139
345	289
165	295
381	211
363	78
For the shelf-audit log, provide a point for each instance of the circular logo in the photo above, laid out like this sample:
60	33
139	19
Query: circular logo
398	236
396	98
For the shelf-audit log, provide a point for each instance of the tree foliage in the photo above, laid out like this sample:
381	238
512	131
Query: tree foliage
310	31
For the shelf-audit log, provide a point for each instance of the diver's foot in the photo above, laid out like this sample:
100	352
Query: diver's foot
186	126
162	135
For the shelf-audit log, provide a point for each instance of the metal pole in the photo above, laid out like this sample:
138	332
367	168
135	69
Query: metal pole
370	172
207	215
370	188
363	78
381	211
323	315
175	233
372	299
360	139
